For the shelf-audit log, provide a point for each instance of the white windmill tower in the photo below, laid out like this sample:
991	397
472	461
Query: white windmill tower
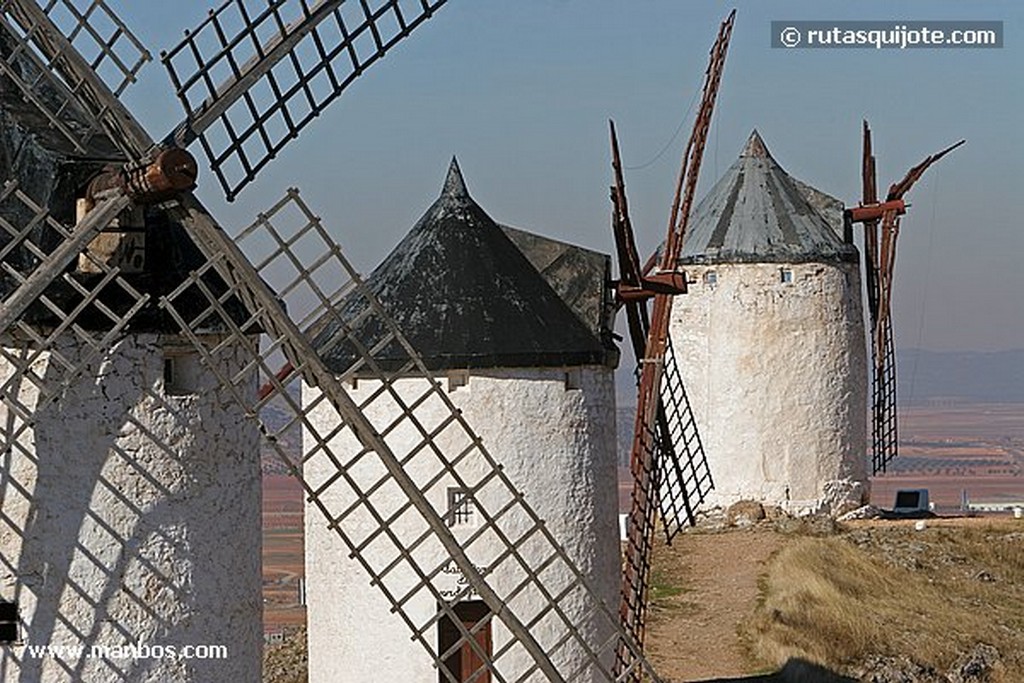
533	371
130	490
771	340
248	300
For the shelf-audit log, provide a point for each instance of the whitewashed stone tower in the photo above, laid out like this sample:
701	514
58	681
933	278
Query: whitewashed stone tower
519	326
770	339
129	504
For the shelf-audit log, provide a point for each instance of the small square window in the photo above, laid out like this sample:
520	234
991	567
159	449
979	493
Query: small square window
170	373
461	511
711	278
181	374
786	275
573	379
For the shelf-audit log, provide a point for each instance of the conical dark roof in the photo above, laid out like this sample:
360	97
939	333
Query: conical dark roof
465	296
757	213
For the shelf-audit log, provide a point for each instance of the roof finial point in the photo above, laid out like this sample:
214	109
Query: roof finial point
755	147
454	185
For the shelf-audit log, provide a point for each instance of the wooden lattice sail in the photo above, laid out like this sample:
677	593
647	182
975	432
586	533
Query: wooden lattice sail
245	303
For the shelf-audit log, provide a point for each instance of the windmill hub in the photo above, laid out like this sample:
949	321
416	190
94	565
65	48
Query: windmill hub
172	171
662	282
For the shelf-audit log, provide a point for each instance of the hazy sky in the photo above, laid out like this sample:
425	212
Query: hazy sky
521	91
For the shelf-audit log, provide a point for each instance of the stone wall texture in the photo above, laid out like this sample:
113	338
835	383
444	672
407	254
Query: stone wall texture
777	376
129	518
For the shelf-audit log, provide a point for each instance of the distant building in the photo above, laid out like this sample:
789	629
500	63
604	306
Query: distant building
770	340
518	328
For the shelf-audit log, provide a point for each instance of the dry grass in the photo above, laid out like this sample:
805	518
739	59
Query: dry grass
890	590
287	663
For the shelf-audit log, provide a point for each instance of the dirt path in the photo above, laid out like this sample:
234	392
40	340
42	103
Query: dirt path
692	634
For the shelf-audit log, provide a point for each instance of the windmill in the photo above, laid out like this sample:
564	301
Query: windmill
74	290
881	221
667	461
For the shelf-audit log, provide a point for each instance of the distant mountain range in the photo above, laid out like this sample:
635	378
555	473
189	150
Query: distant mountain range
962	376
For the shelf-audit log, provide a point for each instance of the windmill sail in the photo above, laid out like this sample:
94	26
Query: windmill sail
51	72
112	51
881	230
884	435
245	303
251	79
643	462
684	479
681	479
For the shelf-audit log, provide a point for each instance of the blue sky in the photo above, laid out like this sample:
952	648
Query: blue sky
521	91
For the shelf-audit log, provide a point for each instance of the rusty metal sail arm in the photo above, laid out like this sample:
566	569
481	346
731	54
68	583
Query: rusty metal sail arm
891	225
622	226
635	284
897	190
881	221
631	291
640	533
880	245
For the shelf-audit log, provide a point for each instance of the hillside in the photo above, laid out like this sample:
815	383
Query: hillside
868	601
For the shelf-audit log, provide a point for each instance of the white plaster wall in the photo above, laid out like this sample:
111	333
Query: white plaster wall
129	517
557	445
777	378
